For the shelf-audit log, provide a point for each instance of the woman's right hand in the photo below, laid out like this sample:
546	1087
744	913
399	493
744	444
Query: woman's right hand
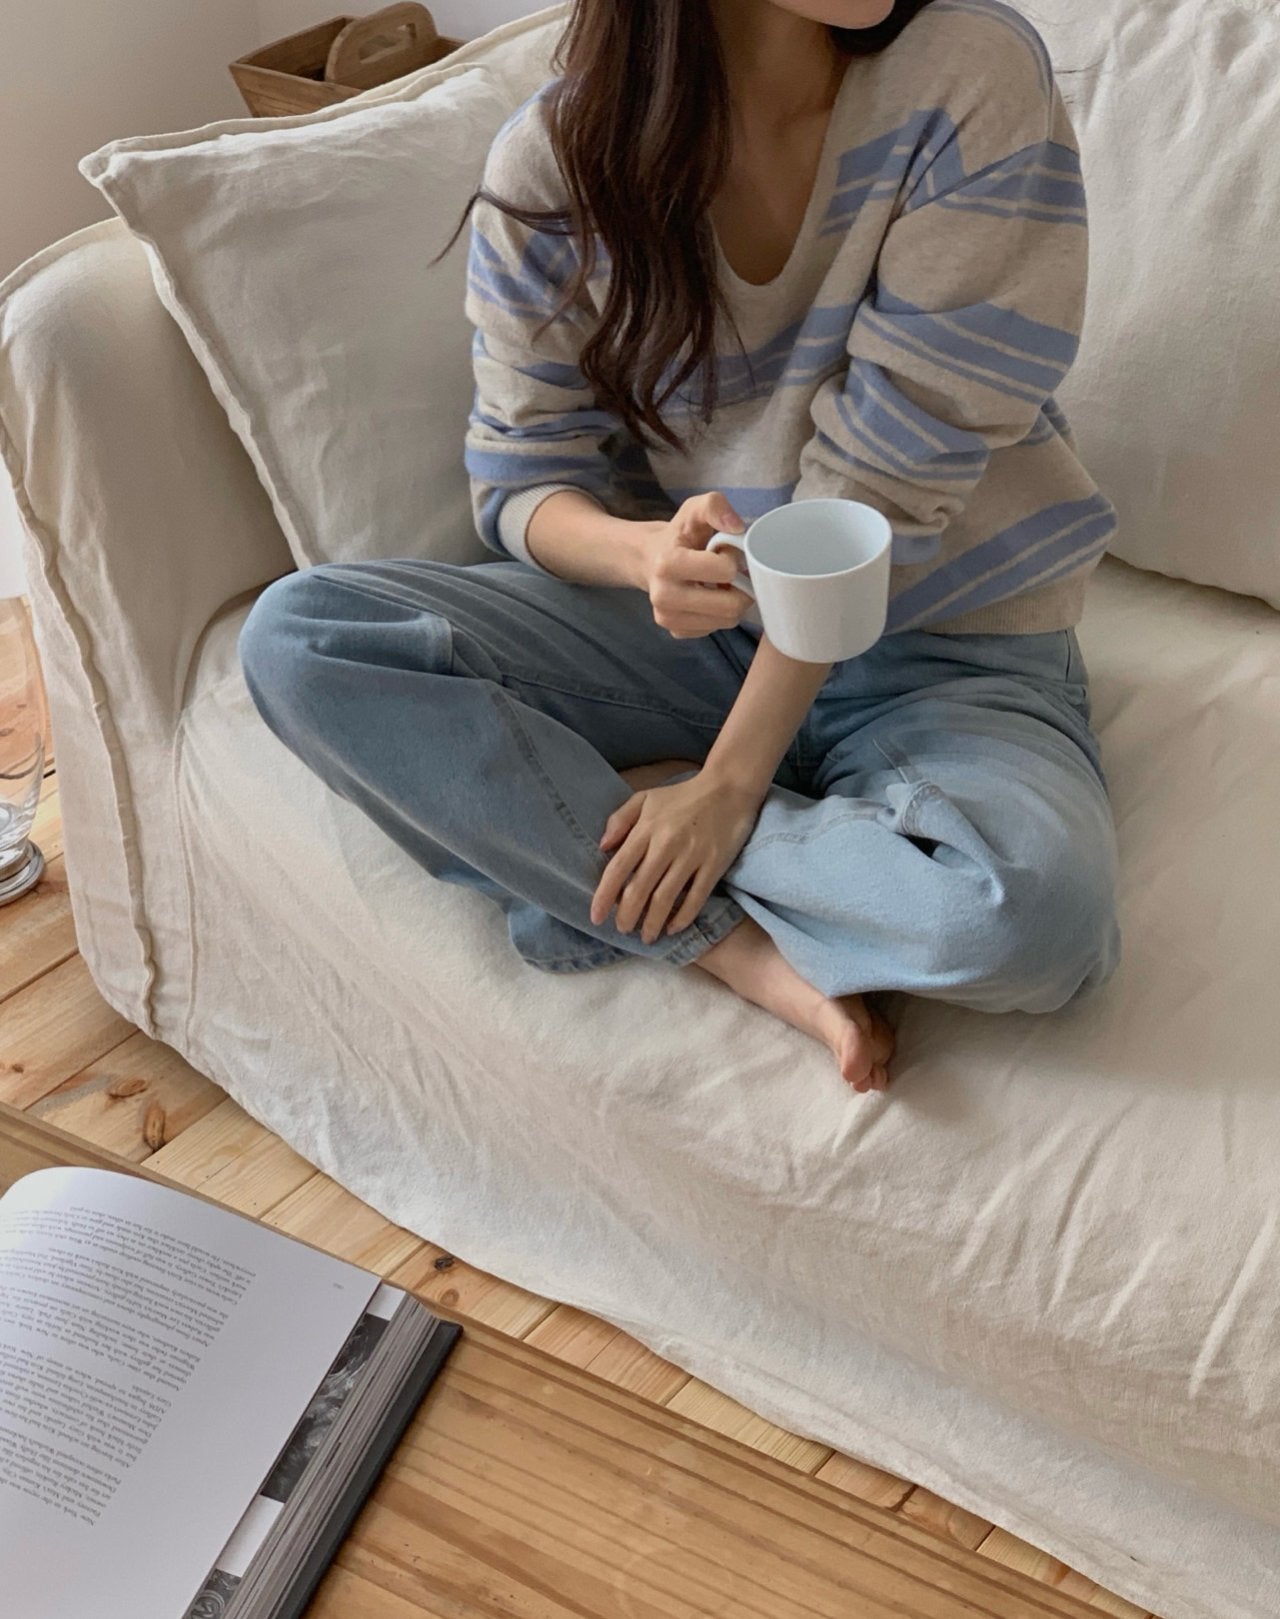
690	588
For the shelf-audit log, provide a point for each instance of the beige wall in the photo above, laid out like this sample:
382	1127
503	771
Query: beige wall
75	74
464	19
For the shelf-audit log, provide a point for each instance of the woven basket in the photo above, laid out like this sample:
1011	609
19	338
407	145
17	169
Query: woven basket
338	59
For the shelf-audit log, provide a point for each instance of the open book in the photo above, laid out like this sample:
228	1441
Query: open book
192	1406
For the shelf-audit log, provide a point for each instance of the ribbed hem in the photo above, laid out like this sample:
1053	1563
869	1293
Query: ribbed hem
1059	606
514	515
720	915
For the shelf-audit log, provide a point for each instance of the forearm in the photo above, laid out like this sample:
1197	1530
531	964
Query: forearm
572	536
775	697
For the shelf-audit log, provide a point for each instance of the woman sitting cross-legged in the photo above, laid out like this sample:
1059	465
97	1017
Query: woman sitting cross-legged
738	254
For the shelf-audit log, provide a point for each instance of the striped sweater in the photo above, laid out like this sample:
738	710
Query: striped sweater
906	355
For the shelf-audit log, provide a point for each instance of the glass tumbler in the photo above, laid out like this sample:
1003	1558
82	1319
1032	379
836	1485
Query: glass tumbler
21	752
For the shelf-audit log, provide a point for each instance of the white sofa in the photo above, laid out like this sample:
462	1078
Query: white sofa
1039	1276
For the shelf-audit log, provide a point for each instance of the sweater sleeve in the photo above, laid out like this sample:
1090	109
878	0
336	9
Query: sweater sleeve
534	427
971	320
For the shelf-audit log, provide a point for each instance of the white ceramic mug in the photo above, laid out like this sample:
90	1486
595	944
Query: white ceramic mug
818	571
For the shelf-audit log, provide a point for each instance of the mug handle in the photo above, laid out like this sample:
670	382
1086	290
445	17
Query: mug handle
726	542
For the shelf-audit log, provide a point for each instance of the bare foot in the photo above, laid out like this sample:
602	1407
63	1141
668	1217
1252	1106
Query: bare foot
656	775
752	965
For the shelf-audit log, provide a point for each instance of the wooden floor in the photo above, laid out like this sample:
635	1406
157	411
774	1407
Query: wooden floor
66	1056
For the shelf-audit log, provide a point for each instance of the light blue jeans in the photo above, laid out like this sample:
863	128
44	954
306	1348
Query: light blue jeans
940	824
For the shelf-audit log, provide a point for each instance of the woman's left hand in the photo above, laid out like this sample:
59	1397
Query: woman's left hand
671	841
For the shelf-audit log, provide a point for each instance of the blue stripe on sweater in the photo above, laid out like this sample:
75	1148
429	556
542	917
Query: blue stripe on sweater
918	437
924	148
552	372
1018	558
1041	182
555	374
870	452
993	210
1051	423
997	347
990	330
512	469
545	264
801	355
550	429
1075	562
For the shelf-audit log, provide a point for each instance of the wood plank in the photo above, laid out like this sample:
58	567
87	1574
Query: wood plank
707	1406
579	1500
1007	1549
571	1335
325	1214
441	1279
584	1340
628	1364
53	1029
943	1518
868	1483
343	1594
39	932
133	1100
232	1158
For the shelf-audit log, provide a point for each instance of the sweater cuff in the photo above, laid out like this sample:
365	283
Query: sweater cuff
514	515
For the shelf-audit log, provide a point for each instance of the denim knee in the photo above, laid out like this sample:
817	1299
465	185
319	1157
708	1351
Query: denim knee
272	652
320	624
1043	935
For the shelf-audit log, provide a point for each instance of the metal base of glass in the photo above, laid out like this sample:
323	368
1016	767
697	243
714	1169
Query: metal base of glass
20	872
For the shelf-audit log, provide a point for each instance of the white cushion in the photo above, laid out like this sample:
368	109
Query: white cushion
1175	397
294	254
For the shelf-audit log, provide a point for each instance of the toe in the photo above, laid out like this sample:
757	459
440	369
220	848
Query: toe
883	1038
857	1060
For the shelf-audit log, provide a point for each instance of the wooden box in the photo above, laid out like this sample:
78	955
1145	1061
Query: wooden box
338	59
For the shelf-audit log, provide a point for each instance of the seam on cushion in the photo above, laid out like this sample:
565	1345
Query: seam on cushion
228	388
49	547
177	759
29	268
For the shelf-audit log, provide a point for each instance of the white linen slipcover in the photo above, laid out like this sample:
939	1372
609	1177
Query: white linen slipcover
1039	1276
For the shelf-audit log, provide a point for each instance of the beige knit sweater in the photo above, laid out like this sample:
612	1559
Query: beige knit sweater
906	355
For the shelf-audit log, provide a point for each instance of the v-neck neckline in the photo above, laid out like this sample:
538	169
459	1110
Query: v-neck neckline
818	197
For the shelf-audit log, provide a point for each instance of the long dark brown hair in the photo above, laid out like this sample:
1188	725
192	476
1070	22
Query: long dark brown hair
642	156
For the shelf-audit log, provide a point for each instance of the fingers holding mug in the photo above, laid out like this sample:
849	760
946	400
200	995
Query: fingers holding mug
734	550
702	516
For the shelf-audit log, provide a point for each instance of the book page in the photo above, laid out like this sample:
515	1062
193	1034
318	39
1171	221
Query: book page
156	1353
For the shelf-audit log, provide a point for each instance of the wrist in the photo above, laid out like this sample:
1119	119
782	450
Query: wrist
637	542
729	772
